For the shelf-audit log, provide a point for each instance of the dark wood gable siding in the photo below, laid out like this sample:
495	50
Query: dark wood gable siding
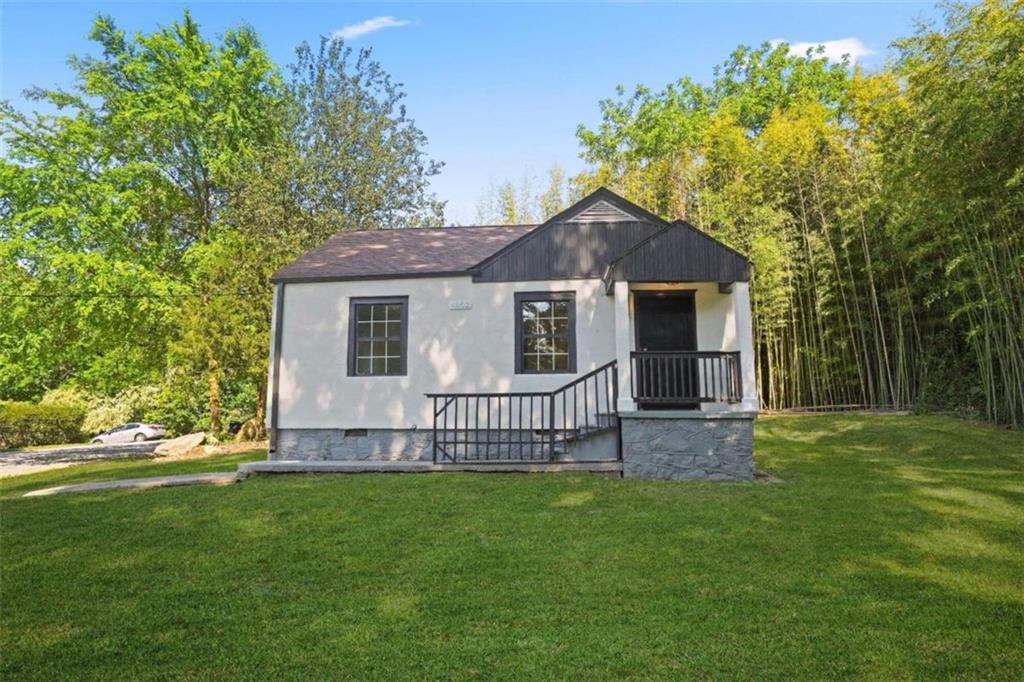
681	253
572	245
566	250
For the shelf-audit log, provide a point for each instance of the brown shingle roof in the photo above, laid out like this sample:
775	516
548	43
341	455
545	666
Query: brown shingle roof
400	253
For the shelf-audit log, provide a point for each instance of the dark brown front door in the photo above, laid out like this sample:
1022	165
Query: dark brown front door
666	323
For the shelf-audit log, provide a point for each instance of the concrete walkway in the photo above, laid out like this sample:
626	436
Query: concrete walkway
217	478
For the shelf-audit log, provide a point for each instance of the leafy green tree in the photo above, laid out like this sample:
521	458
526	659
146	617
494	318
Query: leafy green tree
360	158
555	198
103	199
507	204
141	223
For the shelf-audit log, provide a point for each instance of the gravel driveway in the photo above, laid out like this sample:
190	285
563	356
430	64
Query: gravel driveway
14	462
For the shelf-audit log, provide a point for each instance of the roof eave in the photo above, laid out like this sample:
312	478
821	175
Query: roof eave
355	278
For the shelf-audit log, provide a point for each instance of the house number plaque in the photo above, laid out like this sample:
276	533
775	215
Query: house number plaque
460	304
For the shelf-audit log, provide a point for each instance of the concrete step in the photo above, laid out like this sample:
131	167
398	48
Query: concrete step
585	432
334	467
370	466
538	467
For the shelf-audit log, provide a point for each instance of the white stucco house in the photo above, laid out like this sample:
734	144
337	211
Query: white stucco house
605	338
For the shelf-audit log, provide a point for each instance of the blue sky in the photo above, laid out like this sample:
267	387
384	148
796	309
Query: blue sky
498	88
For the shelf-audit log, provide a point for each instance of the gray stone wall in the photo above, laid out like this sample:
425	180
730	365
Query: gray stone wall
333	444
413	445
692	446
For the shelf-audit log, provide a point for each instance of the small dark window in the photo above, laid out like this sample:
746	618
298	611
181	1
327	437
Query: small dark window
378	331
545	333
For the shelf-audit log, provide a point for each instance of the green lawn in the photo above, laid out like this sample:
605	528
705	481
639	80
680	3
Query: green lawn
892	548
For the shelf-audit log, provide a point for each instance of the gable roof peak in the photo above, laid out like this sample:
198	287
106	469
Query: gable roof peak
601	212
604	206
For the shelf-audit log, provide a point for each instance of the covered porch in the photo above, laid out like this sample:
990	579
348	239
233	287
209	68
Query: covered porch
685	349
684	346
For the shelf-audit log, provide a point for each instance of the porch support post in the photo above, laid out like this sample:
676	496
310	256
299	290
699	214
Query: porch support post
623	345
745	343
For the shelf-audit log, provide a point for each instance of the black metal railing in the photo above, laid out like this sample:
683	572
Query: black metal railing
524	426
685	377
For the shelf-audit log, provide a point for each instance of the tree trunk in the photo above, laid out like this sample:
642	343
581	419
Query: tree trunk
261	399
213	377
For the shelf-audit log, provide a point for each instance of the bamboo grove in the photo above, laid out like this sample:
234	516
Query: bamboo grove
883	211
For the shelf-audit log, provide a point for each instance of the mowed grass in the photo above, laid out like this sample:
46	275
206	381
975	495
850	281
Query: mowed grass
892	548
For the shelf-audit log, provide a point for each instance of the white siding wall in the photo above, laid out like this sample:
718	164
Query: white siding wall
449	350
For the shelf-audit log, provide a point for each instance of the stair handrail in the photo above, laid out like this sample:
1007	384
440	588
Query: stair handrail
583	377
611	400
563	390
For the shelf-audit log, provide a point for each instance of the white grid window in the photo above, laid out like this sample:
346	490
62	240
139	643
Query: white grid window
378	339
545	336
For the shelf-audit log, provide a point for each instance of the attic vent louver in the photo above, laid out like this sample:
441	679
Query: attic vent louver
601	212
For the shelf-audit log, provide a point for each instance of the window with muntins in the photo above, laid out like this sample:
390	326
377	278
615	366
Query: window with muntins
545	333
377	336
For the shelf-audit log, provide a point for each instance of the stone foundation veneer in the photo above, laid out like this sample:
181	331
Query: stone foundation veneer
333	444
672	445
688	445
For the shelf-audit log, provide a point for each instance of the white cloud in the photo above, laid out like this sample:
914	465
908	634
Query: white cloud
354	31
834	49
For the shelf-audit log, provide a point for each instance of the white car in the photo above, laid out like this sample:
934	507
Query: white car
128	433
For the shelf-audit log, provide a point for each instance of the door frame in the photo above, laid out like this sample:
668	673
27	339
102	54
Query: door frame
694	339
662	293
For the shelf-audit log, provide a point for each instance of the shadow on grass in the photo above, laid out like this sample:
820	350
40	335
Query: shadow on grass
939	494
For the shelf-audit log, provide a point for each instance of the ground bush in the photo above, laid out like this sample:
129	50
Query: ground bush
181	404
131	404
68	396
23	424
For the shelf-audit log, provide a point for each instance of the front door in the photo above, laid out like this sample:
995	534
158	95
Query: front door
666	323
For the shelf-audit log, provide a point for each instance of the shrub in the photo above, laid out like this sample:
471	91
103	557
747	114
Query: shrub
68	396
23	424
181	403
131	404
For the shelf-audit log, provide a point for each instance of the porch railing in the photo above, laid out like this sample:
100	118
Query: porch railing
685	377
523	426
